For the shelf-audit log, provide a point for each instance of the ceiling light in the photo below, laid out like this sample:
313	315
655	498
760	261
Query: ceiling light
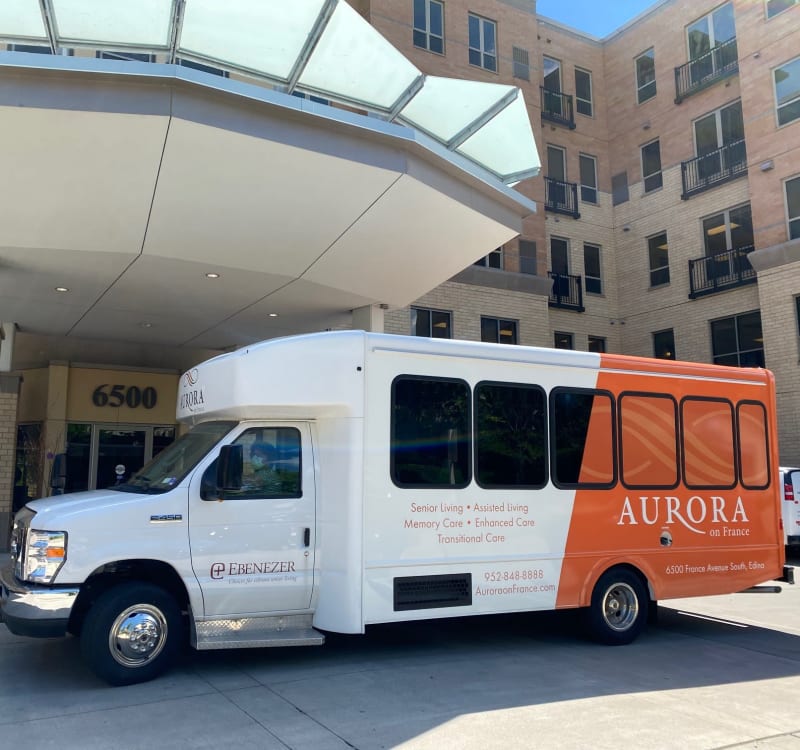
62	289
145	324
212	275
273	315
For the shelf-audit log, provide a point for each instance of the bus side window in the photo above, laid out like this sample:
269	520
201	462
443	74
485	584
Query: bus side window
582	427
648	424
707	435
753	445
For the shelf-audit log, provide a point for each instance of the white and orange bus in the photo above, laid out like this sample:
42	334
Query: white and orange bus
410	478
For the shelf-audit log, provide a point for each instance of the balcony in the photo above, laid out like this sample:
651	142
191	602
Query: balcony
704	71
561	197
557	108
717	273
567	292
712	169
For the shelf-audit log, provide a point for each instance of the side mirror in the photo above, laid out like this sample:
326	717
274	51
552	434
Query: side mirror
58	474
229	468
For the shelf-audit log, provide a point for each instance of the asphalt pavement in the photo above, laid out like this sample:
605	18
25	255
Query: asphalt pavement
716	672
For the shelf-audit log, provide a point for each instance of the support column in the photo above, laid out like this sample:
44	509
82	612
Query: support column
369	318
7	331
9	400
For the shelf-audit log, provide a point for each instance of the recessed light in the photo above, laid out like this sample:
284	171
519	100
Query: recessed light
212	275
273	315
62	289
145	324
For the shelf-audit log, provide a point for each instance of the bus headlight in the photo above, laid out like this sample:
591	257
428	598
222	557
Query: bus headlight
45	553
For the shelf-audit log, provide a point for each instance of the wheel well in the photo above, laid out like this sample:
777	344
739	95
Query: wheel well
631	569
111	574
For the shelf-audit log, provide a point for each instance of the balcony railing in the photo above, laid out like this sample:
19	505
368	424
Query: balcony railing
708	171
561	197
567	291
716	273
557	107
703	71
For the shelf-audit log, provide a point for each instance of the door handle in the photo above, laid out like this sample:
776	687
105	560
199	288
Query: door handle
307	537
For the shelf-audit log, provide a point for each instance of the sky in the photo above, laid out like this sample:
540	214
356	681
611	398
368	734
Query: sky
596	17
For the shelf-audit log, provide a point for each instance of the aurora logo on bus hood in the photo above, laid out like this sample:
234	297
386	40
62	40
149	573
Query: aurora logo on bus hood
655	509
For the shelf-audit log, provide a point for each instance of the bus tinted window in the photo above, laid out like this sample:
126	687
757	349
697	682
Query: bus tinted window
582	437
707	433
430	432
649	440
751	418
510	436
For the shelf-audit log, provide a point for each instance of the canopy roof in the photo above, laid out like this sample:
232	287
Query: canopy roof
318	47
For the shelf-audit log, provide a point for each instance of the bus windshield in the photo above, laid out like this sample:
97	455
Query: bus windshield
170	466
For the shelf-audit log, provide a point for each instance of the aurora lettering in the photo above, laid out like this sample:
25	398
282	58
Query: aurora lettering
666	510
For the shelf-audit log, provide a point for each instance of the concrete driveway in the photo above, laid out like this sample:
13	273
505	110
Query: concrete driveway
719	672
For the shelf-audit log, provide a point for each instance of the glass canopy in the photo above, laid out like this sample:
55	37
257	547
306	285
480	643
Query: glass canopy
322	48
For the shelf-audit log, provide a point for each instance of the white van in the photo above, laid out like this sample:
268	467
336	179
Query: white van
790	507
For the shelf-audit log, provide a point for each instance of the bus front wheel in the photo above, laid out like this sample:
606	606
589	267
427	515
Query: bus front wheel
618	611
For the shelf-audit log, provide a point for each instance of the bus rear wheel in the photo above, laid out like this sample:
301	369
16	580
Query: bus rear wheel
618	611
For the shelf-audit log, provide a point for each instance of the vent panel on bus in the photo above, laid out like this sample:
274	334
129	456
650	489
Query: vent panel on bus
430	592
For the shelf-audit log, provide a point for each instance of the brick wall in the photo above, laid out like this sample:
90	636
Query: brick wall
9	395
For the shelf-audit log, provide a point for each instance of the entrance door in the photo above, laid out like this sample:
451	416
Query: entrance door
102	455
253	550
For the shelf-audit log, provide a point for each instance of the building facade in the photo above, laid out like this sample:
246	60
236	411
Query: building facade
668	221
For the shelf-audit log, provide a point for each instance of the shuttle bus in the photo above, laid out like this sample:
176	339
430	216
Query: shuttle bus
410	478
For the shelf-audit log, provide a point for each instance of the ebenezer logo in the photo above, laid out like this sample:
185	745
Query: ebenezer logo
220	570
654	509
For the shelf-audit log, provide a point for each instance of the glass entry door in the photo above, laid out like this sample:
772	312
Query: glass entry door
101	455
120	452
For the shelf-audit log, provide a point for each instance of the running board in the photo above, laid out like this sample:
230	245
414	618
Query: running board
255	632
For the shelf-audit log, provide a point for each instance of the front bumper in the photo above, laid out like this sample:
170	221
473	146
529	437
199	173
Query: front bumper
32	609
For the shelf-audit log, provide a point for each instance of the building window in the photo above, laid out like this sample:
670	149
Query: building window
583	92
787	91
129	56
714	131
664	344
646	76
778	6
619	188
493	260
657	249
552	74
738	341
651	166
597	344
32	48
498	331
588	168
204	68
563	340
729	230
559	256
482	43
310	97
429	25
435	324
793	207
705	34
527	256
591	268
520	59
